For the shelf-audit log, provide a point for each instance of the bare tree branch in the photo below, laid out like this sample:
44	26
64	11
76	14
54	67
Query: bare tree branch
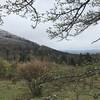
23	8
95	41
72	18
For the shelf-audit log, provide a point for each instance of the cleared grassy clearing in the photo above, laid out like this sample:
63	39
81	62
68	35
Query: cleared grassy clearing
57	89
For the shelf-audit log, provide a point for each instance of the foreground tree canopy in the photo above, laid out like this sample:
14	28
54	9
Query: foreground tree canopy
69	17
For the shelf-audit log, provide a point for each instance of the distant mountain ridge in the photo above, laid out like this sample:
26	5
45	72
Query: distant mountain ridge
12	47
7	39
91	51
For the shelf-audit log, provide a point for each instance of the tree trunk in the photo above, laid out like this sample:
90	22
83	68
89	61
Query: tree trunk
35	88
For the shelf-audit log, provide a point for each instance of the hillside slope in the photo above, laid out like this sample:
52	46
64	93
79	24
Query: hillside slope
12	46
7	39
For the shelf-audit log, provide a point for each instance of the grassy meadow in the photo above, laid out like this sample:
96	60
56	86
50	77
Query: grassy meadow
87	88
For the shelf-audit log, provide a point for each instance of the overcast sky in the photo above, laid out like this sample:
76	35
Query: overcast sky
22	27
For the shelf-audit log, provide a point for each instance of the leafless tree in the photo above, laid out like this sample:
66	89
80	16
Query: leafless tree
24	8
72	17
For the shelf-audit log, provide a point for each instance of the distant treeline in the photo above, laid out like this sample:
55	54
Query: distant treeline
44	53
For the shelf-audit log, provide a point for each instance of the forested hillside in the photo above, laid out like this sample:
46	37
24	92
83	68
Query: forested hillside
15	48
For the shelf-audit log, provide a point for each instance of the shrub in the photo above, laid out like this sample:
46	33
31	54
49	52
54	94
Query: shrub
35	73
7	70
4	68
